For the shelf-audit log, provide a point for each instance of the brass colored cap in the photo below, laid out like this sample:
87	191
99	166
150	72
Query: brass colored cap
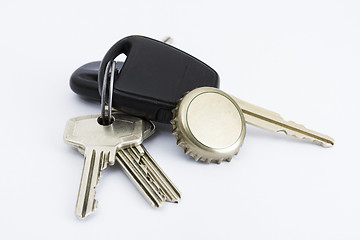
209	125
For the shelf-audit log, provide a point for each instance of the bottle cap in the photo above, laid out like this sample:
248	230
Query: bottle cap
209	125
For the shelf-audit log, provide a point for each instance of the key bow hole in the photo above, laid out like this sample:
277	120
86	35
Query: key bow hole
105	121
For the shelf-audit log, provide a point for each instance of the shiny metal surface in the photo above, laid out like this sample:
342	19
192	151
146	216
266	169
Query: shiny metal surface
209	125
272	121
99	143
148	177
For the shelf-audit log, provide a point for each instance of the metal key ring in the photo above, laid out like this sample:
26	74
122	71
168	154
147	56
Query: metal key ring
107	119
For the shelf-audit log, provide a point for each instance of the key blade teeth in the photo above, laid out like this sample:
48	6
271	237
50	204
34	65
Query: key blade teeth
272	121
301	132
147	176
94	163
169	190
95	206
83	214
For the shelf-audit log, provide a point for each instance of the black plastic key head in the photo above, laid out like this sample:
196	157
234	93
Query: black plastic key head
153	77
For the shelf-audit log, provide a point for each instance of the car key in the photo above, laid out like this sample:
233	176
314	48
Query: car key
209	108
84	80
150	81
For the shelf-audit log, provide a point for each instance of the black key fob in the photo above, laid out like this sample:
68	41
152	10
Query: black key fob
150	81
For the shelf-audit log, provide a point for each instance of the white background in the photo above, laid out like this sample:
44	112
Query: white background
298	58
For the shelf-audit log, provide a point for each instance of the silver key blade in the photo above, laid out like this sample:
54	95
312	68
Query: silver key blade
272	121
99	144
95	161
145	173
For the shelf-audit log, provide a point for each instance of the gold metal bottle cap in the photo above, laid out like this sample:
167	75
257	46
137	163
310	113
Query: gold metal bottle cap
209	125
